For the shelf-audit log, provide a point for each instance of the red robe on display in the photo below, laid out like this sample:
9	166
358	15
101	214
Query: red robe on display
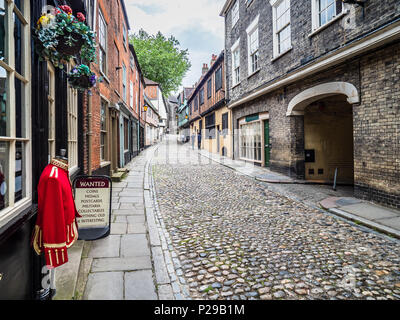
56	227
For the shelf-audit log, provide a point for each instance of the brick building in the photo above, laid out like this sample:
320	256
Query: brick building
314	86
207	109
114	133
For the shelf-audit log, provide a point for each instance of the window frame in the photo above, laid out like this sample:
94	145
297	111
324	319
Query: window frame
126	134
124	78
209	88
72	111
104	131
15	207
51	98
315	14
276	31
235	75
103	50
209	128
225	123
247	140
218	84
201	96
253	57
235	13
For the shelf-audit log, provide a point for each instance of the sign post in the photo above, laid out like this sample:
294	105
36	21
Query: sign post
93	203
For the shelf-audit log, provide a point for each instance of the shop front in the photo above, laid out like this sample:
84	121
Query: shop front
254	145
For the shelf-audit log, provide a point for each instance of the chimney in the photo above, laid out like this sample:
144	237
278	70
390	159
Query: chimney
213	59
205	68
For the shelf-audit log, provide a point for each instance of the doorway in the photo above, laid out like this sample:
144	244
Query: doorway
267	146
328	140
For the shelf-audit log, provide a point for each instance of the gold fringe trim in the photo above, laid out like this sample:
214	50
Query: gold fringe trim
49	253
59	164
74	234
55	245
36	240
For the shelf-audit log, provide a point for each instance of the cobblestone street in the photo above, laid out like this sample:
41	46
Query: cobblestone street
236	239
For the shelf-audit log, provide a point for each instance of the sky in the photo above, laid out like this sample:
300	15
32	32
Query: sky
196	24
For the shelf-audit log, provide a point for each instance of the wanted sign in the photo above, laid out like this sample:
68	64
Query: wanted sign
93	203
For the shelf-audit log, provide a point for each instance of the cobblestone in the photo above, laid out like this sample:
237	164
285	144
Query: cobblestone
226	225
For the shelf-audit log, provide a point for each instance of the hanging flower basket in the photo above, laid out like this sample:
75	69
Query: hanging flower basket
62	36
82	78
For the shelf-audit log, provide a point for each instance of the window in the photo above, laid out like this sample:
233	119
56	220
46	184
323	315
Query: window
281	26
235	63
126	134
252	39
235	13
124	35
15	106
103	130
137	102
51	98
209	88
218	79
225	123
131	94
201	96
210	126
72	96
250	141
190	108
102	44
325	11
196	103
124	81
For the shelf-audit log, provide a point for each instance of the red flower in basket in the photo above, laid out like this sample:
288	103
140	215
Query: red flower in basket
80	17
66	9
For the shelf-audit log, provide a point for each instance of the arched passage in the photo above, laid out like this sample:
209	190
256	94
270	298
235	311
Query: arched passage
302	100
328	130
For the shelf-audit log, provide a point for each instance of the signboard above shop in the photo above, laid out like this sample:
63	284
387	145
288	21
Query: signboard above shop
93	203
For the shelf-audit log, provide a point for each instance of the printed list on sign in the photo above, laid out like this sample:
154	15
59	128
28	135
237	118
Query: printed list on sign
93	204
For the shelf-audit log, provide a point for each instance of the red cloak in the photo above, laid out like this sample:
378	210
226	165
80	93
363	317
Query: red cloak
56	228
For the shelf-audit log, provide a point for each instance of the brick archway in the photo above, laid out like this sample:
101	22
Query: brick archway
302	100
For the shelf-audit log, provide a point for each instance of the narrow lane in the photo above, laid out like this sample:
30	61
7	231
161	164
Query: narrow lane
237	240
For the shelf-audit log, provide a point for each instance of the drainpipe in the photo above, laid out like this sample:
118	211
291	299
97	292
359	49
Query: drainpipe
90	133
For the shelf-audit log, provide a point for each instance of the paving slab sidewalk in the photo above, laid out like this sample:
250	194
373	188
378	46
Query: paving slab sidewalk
126	265
370	214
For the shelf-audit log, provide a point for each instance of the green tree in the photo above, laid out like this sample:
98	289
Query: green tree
161	59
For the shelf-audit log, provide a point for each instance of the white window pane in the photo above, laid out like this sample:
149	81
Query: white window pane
20	156
4	113
322	4
331	12
4	160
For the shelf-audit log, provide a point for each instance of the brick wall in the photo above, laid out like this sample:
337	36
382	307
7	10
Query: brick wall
377	127
305	46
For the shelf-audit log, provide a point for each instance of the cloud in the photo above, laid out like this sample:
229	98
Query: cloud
195	23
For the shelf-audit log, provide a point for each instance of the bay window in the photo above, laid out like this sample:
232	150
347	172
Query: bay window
15	106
